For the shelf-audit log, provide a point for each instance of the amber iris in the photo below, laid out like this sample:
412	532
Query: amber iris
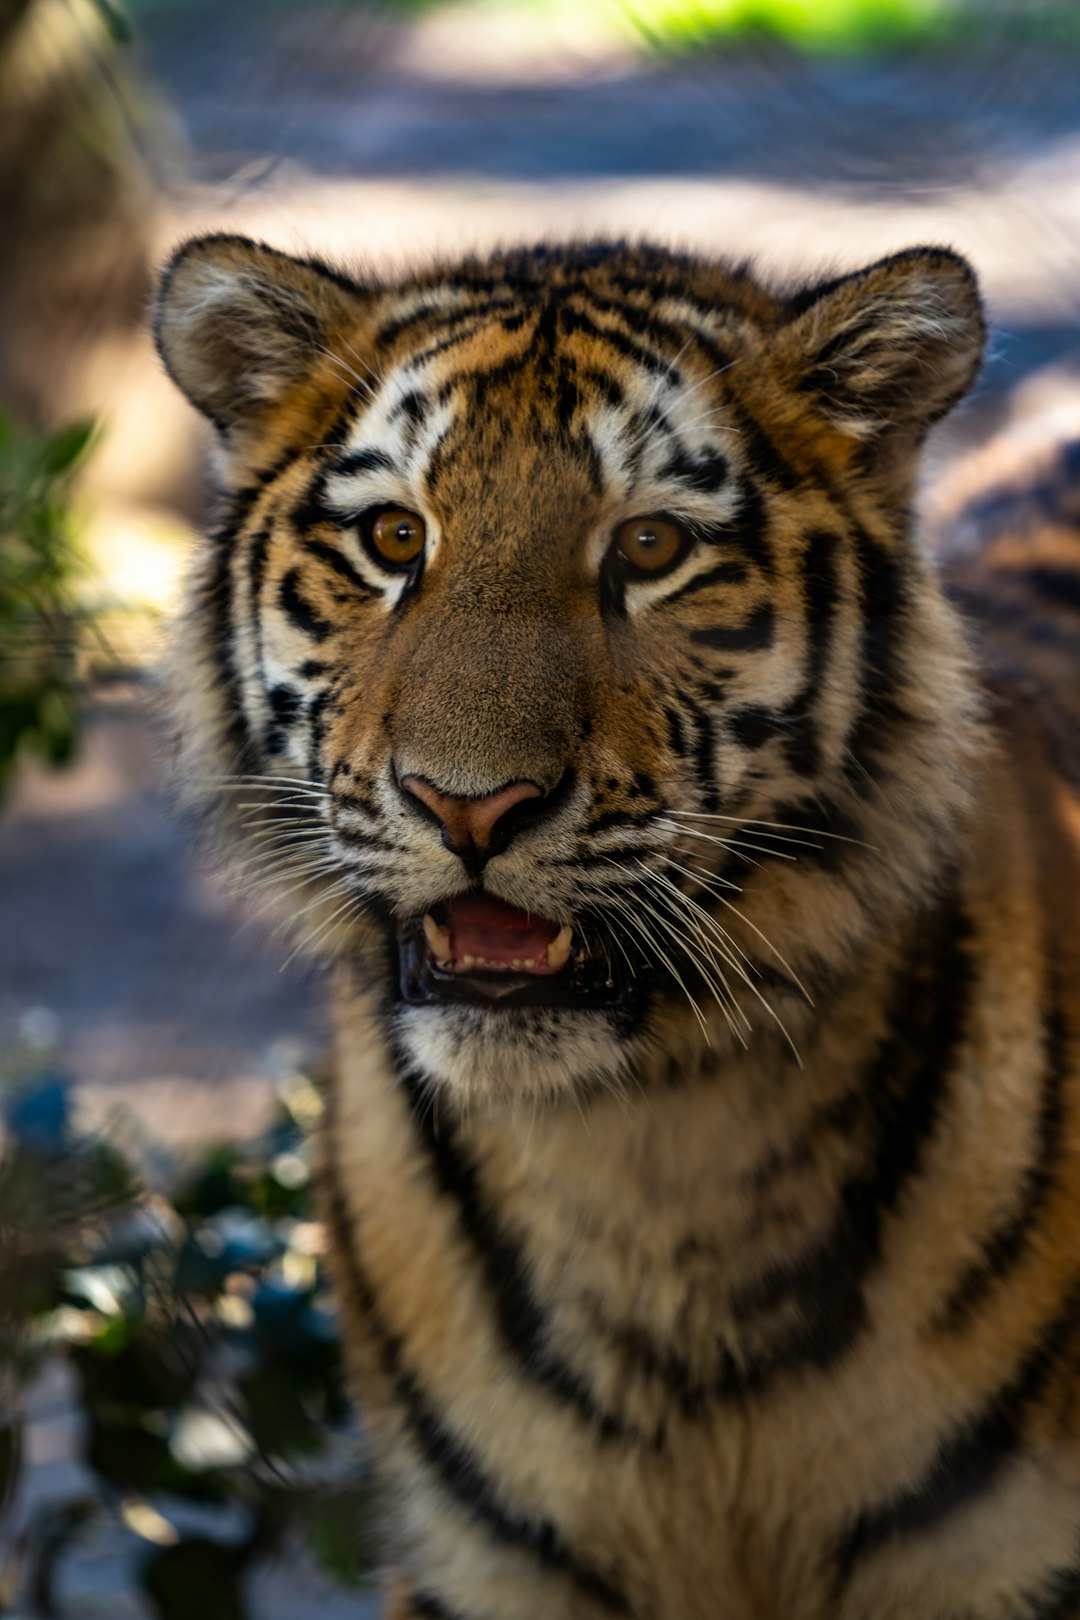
650	544
397	537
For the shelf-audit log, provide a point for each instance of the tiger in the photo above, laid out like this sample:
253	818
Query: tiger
697	893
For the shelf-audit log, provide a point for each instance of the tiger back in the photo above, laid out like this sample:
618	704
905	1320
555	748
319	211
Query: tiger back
700	1158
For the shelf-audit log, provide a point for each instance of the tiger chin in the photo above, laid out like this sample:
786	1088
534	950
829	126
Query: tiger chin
700	1158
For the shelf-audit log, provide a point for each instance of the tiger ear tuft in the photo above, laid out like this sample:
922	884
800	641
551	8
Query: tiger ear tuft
237	324
890	348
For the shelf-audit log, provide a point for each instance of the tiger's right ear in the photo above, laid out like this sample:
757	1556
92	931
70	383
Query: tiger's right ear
238	324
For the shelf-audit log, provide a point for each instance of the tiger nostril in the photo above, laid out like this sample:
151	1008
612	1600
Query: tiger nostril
470	826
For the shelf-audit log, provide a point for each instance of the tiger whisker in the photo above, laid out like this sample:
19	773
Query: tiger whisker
735	845
754	821
729	947
638	925
353	904
706	880
704	959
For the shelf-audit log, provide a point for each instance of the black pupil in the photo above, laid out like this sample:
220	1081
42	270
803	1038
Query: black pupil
647	538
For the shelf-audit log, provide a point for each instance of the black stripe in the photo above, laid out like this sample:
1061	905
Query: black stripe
340	564
216	595
618	818
1059	1598
256	561
425	1606
1061	586
445	320
707	472
603	383
828	853
725	573
316	725
703	754
968	1461
519	1316
756	725
763	456
298	610
819	589
577	320
882	602
756	635
285	704
1009	1240
358	461
357	801
639	316
449	1458
676	733
746	530
909	1079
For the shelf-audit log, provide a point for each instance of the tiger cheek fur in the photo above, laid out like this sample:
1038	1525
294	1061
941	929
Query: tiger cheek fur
699	1162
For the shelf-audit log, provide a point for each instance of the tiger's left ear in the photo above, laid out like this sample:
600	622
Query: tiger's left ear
886	351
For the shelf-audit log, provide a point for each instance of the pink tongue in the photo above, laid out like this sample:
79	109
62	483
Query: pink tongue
500	934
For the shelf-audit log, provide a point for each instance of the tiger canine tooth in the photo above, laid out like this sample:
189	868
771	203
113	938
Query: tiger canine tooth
438	938
558	952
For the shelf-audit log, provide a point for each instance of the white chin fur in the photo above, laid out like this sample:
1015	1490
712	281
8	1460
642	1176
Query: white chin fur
536	1053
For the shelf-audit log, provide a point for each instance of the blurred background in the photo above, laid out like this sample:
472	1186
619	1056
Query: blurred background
174	1439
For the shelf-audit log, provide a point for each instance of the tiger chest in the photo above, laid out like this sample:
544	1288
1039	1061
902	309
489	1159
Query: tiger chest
561	1368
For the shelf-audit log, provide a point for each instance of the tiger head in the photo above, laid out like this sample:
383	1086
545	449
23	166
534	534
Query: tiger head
566	637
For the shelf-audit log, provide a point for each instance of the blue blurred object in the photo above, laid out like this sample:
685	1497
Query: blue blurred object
38	1116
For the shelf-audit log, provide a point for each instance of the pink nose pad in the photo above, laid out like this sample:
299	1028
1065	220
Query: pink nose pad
469	821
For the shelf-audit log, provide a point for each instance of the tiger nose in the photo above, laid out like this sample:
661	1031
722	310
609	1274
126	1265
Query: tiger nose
476	829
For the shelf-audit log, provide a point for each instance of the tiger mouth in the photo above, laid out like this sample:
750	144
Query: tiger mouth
477	949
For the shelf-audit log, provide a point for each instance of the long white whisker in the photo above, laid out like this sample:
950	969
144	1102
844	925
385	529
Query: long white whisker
704	959
705	879
353	904
636	923
754	821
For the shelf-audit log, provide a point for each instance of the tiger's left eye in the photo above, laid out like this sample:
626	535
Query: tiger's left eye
651	544
397	537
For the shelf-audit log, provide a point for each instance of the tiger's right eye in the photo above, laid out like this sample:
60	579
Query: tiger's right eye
396	537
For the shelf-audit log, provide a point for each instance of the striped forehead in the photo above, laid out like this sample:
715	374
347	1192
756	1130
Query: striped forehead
392	440
654	422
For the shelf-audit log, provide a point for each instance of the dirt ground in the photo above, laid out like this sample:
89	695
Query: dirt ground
117	947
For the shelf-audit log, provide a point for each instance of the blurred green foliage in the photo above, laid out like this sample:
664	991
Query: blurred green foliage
39	617
203	1349
839	25
679	26
853	26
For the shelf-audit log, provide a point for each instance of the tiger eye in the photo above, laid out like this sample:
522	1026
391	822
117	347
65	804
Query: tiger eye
398	537
650	544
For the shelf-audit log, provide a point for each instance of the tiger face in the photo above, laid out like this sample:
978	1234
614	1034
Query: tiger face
567	630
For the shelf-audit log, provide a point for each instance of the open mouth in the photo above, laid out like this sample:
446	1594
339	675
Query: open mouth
478	949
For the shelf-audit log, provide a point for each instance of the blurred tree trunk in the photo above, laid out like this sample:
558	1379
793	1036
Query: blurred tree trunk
75	199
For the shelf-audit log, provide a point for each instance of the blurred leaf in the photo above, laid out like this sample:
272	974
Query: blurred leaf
279	1421
10	1459
64	448
215	1186
115	20
334	1524
196	1577
40	622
